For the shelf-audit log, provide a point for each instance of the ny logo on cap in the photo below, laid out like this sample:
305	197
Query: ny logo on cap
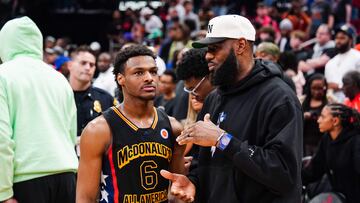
210	28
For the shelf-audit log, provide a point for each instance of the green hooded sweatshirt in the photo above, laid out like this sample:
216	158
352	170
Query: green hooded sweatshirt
37	110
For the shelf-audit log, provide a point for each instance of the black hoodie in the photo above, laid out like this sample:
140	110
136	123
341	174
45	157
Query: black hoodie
262	163
340	160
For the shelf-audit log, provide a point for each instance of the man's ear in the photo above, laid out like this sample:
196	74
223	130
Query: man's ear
70	65
120	79
240	46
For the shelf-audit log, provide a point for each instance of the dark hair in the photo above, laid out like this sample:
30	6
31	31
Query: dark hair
287	60
354	76
269	30
193	64
307	90
350	118
172	74
132	51
124	54
83	48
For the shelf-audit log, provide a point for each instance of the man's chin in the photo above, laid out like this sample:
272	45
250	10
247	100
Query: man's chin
148	97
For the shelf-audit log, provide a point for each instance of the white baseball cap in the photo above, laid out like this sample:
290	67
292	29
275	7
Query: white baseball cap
227	27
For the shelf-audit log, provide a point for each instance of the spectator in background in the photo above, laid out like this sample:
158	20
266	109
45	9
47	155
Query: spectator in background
179	38
270	51
323	51
266	34
263	18
314	101
285	30
298	37
166	98
50	56
49	42
342	11
90	101
61	65
136	34
338	155
149	20
321	14
351	81
179	8
192	68
37	121
347	59
288	62
105	79
190	15
205	14
299	19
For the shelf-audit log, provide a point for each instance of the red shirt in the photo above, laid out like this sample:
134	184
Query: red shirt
355	103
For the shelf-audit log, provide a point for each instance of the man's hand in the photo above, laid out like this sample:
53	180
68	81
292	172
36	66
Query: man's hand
187	160
303	66
181	187
204	133
11	200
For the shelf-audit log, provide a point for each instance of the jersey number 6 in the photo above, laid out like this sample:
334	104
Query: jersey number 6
149	178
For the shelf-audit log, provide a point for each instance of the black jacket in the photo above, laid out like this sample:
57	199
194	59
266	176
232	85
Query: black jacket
90	103
262	163
340	160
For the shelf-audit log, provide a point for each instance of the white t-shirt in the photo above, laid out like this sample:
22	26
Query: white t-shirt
106	81
338	66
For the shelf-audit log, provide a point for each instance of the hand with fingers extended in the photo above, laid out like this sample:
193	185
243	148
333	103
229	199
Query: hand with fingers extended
181	187
204	133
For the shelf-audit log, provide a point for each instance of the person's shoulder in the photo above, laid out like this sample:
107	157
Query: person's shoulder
355	53
100	92
97	128
96	136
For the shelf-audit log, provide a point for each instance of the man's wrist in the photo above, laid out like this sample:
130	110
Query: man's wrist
224	141
218	139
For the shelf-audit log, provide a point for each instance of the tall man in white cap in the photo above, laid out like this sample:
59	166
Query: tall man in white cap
251	135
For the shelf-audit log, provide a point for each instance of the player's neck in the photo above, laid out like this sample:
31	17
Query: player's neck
137	108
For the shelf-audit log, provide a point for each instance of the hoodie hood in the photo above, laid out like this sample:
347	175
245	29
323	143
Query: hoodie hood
20	36
262	70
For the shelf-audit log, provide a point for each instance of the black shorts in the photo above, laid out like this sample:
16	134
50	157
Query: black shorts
57	188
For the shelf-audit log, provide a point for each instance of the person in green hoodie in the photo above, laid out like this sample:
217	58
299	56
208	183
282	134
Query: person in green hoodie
37	121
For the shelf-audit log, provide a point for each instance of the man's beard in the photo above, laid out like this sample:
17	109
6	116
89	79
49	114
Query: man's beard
226	73
343	48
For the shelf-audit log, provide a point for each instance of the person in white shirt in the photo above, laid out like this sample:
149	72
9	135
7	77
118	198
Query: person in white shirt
322	51
150	21
105	80
347	59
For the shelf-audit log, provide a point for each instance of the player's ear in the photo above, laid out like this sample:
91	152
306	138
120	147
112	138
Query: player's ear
120	79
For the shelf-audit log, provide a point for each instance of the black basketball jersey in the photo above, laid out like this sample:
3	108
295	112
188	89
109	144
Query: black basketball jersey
131	166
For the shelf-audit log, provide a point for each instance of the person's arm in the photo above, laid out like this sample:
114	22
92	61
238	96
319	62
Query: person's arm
277	163
6	148
72	118
331	21
315	63
95	140
333	86
316	168
348	13
177	164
